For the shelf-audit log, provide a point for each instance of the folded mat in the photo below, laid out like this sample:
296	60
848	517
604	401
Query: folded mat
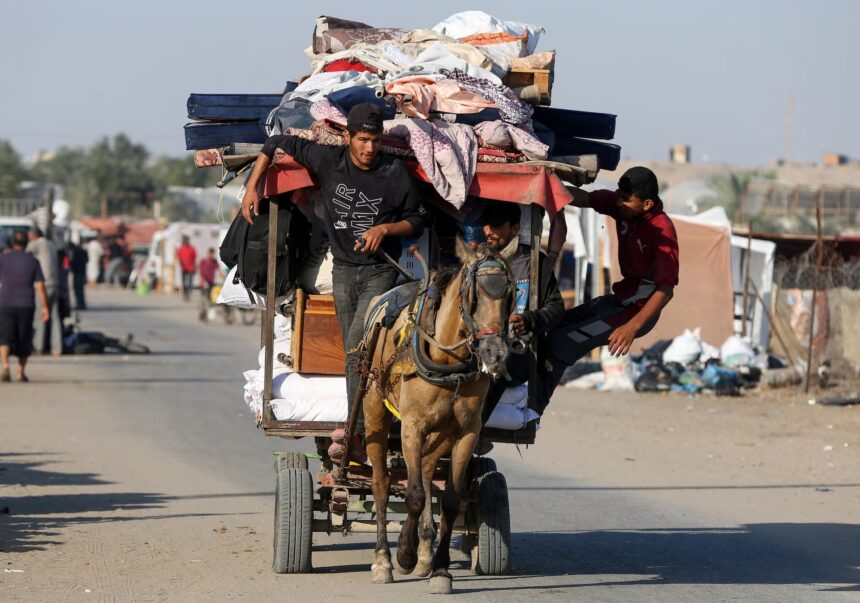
231	107
210	135
608	154
583	124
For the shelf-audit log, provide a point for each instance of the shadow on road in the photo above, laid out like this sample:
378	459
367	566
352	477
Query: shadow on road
824	554
37	521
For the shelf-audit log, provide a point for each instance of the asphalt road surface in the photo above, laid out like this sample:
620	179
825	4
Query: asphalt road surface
143	478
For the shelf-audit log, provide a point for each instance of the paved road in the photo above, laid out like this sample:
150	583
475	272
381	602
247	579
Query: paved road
142	478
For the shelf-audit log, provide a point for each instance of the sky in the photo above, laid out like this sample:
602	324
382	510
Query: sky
716	75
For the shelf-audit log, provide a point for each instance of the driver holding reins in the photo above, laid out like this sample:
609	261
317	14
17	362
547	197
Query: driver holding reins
370	202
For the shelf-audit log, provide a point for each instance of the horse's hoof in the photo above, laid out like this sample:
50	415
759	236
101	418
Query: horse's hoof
441	585
381	574
423	569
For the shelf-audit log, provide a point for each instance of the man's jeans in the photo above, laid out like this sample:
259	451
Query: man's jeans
354	287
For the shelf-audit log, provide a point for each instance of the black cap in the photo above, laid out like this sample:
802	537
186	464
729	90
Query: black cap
640	181
497	213
365	117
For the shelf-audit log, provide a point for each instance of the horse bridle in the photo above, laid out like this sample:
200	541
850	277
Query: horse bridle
495	286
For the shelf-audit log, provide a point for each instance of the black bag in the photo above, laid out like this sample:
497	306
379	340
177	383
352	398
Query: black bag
247	246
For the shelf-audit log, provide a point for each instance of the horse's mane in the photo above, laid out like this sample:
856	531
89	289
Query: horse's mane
441	279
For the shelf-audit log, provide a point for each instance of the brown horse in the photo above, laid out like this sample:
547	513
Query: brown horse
435	366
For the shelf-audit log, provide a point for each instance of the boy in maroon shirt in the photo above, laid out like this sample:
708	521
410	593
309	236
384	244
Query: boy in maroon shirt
648	258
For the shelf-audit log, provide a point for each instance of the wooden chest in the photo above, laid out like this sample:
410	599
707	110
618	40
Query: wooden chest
317	345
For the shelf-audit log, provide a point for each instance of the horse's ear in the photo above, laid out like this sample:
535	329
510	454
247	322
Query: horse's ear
510	249
464	252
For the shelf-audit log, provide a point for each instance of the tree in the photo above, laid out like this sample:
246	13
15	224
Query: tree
12	171
730	188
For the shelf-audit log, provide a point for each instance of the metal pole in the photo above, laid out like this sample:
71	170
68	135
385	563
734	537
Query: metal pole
819	253
746	281
773	324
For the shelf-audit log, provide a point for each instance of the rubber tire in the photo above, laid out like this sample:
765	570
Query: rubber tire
290	460
492	554
478	467
293	521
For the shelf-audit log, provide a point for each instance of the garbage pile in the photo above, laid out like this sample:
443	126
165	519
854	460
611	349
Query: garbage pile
473	89
685	364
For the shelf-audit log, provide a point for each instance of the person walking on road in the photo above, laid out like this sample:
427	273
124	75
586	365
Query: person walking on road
21	279
209	269
186	257
95	252
370	202
78	260
116	259
48	333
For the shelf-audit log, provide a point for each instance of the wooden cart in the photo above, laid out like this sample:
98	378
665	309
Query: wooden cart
306	503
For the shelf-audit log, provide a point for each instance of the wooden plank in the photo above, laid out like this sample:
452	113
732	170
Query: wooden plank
269	315
298	330
318	345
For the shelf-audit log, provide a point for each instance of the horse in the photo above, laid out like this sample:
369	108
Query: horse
434	366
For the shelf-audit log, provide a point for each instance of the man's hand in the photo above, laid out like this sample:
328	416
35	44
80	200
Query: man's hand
622	338
44	315
372	239
517	324
250	205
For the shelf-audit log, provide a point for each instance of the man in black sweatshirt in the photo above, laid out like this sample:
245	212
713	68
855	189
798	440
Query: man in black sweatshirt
370	202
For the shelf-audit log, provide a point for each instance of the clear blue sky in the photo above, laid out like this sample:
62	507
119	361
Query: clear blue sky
715	75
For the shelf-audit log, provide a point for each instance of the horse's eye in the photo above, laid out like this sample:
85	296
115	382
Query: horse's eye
494	285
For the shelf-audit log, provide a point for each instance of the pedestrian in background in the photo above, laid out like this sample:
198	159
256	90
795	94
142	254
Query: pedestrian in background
116	258
95	251
186	257
48	333
21	279
78	264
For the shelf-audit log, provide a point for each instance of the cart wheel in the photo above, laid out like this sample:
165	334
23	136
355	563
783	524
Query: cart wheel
290	460
293	521
492	542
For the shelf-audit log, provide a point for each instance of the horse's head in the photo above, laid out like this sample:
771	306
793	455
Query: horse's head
486	296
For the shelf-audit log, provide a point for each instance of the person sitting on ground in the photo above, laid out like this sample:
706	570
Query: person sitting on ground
370	202
20	276
648	258
501	227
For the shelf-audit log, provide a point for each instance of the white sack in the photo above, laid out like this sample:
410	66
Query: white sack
310	410
508	416
282	346
516	396
471	22
617	372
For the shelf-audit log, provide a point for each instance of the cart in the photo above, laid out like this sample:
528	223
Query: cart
328	502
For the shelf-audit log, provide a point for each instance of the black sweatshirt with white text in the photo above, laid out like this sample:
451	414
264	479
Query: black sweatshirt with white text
356	199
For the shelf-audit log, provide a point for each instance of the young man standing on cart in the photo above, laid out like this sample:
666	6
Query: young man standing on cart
370	202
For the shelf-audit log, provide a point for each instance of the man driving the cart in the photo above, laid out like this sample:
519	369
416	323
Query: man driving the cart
370	202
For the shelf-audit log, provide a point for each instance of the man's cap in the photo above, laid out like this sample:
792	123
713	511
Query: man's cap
498	213
640	181
365	117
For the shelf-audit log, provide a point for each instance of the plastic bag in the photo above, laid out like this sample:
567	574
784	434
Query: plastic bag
236	295
737	351
685	348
